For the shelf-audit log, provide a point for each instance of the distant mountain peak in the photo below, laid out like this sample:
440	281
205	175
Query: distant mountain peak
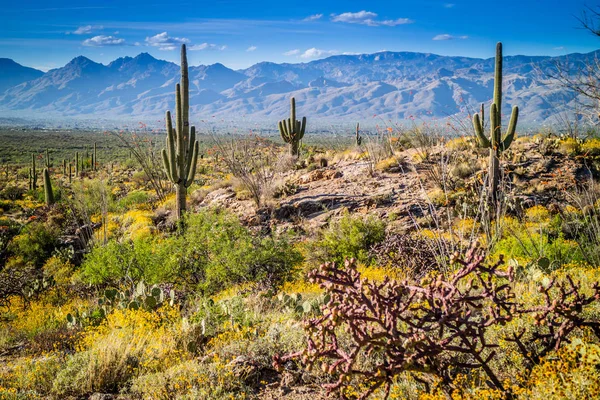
12	73
145	57
80	60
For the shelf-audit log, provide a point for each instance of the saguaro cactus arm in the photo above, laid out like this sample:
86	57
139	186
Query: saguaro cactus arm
512	127
478	124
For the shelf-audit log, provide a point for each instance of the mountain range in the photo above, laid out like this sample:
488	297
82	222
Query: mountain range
369	88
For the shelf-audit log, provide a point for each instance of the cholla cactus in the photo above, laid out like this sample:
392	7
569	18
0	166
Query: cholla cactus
292	130
496	143
181	155
437	328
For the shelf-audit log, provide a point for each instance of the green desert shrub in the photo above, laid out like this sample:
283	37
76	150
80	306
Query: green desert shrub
35	244
216	251
141	259
213	253
349	237
535	246
134	199
12	193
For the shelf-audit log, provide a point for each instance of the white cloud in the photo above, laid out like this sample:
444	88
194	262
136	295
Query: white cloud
446	36
395	22
361	17
251	48
101	40
206	46
313	17
368	18
559	48
312	53
449	5
316	53
164	42
85	30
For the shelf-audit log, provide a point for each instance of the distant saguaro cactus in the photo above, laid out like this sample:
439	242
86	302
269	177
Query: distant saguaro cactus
292	130
32	174
495	142
48	194
94	158
181	155
358	137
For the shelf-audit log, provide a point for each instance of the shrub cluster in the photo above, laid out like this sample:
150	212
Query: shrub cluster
214	252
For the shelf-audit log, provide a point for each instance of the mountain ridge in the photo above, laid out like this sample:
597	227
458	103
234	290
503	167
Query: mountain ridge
391	85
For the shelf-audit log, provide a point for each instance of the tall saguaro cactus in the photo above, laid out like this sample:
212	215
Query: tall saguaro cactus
48	194
292	130
181	155
495	142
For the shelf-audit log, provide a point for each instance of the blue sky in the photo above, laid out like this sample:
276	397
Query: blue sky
48	34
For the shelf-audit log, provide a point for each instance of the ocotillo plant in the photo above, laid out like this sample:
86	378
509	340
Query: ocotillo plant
358	137
292	130
495	142
33	174
48	194
181	155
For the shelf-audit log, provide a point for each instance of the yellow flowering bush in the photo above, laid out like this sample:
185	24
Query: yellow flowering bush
127	344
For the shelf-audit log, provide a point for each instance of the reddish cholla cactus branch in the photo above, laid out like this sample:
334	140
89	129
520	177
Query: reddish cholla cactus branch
561	313
437	328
